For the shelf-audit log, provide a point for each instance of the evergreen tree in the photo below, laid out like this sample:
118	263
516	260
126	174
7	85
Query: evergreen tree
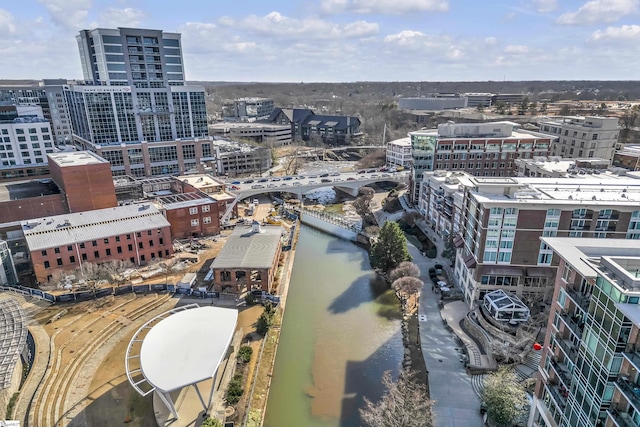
504	397
390	249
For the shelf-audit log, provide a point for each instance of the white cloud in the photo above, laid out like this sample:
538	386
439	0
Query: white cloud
7	23
396	7
127	17
275	24
599	11
544	6
516	49
491	40
70	14
617	34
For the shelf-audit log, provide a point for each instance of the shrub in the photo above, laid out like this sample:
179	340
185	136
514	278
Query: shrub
263	324
244	354
235	390
250	299
211	422
432	253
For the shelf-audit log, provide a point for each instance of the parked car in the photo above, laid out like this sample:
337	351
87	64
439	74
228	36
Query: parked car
325	180
312	176
362	171
236	183
324	175
287	178
256	186
300	177
335	174
276	179
297	183
249	181
371	170
351	178
263	180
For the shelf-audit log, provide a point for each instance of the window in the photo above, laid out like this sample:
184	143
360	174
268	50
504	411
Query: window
43	252
142	258
72	259
206	220
56	250
69	248
96	254
81	245
194	222
47	264
84	257
206	208
106	241
148	232
595	136
193	211
140	245
566	272
161	241
489	256
150	243
504	257
130	247
117	238
138	234
59	261
553	212
94	243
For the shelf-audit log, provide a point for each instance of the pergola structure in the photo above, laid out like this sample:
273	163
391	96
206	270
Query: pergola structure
179	348
505	307
13	336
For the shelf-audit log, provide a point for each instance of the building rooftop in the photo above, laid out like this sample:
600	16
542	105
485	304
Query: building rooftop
247	249
404	142
227	126
67	229
75	158
200	180
183	200
17	190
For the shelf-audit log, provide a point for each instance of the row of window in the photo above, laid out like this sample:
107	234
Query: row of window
96	254
94	243
20	131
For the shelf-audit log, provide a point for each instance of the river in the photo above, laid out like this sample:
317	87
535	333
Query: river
340	332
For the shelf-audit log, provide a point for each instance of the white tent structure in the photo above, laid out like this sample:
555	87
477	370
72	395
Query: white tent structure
505	307
179	348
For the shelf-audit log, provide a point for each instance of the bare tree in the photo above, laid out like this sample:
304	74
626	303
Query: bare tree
404	269
406	287
362	203
410	218
405	403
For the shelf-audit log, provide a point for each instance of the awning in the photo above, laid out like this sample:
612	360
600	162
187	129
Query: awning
458	242
470	261
540	272
502	270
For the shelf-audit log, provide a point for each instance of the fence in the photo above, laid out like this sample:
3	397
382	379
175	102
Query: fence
103	292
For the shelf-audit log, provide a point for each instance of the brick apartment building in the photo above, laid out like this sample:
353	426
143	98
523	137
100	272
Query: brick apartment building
138	233
192	214
497	223
480	149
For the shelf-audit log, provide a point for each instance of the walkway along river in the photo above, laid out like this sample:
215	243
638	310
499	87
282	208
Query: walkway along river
340	332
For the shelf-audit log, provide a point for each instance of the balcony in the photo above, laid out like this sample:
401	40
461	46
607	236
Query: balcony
563	372
567	347
572	323
633	357
559	395
581	299
630	390
621	419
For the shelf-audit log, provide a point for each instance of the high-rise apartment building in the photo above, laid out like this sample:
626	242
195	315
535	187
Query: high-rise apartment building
589	373
497	223
481	149
134	95
582	136
25	136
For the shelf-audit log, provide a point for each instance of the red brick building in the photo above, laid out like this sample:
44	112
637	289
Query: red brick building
85	180
138	233
191	214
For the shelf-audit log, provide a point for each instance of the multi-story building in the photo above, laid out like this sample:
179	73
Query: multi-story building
496	224
582	136
434	102
307	125
589	373
268	134
25	136
251	109
481	149
481	100
8	275
628	158
138	233
234	158
399	153
192	214
135	95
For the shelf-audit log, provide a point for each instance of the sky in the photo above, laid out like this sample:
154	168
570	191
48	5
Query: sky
342	40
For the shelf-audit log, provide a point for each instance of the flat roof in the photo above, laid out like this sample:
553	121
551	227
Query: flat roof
17	190
246	249
75	158
68	229
183	200
187	347
200	180
405	142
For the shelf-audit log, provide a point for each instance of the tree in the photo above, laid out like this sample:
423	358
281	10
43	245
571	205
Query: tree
390	249
404	269
211	422
524	106
449	251
406	287
533	108
405	403
504	398
362	203
500	107
565	110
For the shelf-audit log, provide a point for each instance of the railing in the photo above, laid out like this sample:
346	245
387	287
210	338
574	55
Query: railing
334	219
634	358
227	213
572	324
563	371
579	298
630	390
622	419
558	395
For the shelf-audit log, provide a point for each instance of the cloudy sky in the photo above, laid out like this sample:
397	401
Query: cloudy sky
343	40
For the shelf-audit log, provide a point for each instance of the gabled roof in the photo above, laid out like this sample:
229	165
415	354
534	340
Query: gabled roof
336	122
295	115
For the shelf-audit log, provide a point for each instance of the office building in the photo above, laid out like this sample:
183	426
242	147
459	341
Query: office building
250	109
589	373
481	149
496	224
582	136
235	158
309	126
267	134
628	158
25	136
138	233
434	102
135	95
399	153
